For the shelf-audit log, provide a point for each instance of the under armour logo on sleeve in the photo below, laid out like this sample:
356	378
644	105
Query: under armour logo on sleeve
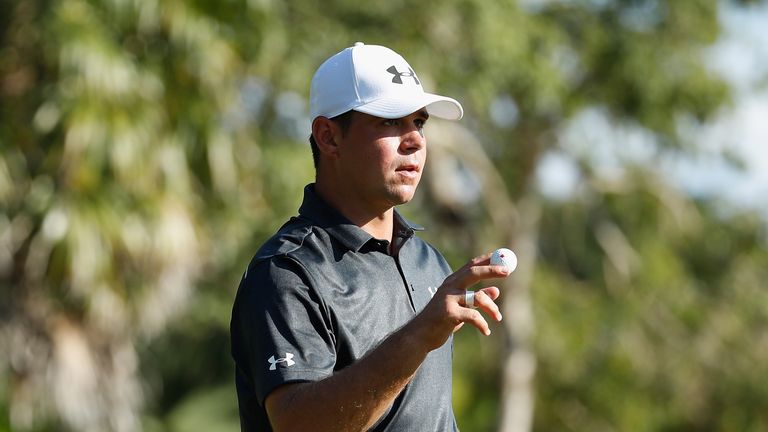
398	76
288	360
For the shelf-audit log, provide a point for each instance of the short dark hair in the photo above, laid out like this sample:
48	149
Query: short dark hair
344	121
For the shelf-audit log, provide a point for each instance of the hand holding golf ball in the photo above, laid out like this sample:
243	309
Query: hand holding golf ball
441	317
504	257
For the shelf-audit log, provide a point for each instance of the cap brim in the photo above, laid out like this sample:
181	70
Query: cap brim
439	106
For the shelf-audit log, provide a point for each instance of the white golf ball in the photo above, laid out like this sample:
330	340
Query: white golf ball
504	257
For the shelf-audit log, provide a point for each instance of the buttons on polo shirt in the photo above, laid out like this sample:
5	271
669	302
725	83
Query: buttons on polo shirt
379	245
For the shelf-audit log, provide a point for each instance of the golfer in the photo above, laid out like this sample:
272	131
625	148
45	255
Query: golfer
343	320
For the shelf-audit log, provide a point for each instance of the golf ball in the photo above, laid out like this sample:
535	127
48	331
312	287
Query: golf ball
504	257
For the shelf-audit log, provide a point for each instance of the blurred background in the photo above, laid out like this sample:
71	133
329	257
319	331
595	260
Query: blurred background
620	147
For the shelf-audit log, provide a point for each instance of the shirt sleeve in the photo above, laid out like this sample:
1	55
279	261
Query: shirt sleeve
281	331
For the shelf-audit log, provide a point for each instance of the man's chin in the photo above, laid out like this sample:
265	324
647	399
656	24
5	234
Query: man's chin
403	194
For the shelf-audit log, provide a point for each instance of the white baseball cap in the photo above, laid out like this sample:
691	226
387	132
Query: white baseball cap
374	80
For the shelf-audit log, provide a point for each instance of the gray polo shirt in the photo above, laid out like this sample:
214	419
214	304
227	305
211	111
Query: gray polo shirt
319	295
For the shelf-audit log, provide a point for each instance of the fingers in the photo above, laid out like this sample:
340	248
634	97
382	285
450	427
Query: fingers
484	300
475	318
492	292
475	270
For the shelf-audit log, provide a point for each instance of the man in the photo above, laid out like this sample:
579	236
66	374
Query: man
344	318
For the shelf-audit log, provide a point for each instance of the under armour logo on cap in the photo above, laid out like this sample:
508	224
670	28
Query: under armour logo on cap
288	360
398	76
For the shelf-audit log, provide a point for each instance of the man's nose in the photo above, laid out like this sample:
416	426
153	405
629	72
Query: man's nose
413	139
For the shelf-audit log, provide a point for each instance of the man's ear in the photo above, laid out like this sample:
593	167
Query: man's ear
325	132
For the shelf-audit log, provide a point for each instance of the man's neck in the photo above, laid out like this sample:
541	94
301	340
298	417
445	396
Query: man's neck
376	222
380	227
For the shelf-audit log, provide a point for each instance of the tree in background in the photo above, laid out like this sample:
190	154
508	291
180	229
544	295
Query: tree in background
127	174
148	147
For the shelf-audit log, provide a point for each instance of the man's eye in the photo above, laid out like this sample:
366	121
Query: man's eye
391	122
420	124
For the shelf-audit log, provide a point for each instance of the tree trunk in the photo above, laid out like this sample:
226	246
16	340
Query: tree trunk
518	394
517	227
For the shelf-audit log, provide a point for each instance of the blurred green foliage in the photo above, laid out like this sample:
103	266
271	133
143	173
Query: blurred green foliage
148	148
